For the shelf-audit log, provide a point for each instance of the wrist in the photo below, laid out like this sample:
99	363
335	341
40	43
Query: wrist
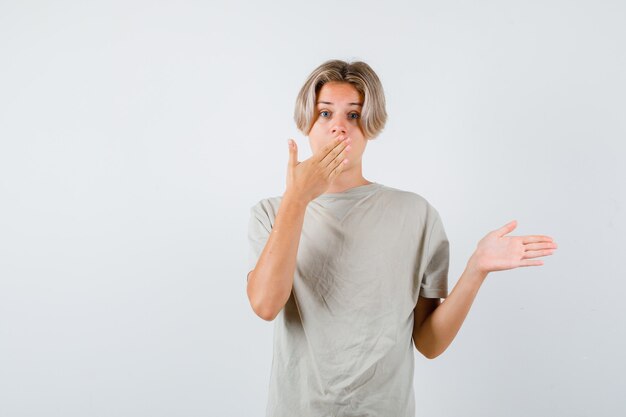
293	198
473	267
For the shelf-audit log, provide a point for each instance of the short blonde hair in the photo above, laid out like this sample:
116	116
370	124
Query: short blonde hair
362	77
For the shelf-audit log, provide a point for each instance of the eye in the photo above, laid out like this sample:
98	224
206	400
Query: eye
356	115
322	113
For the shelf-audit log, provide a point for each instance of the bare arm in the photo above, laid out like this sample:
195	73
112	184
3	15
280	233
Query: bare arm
271	281
494	252
435	333
424	308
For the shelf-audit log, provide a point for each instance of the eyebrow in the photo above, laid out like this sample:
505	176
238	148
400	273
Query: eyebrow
328	102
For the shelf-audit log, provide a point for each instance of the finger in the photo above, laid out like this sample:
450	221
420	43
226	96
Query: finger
343	153
293	152
331	147
327	148
536	253
340	165
507	228
530	263
536	238
540	245
338	159
327	161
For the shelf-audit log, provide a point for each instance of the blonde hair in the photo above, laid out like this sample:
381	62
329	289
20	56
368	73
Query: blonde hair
362	77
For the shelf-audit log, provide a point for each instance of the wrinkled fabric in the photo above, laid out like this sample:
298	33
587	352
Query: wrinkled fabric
343	341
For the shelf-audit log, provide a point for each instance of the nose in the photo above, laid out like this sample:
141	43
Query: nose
339	130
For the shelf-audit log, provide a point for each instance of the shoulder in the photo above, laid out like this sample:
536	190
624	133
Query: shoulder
411	200
266	208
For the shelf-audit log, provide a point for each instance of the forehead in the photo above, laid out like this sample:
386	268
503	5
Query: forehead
334	92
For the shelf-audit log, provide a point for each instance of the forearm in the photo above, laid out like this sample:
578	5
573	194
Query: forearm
441	327
271	281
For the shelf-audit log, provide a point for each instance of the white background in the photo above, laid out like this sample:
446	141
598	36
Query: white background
135	136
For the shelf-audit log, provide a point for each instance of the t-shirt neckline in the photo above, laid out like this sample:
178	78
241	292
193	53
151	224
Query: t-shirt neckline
351	192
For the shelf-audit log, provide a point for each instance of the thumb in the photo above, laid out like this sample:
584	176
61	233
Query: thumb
293	152
507	228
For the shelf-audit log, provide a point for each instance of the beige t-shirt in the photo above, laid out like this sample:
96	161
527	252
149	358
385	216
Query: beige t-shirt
343	342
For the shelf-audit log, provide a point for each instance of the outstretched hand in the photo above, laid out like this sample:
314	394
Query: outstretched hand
497	252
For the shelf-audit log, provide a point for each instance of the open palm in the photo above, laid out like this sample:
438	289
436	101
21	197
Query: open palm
497	252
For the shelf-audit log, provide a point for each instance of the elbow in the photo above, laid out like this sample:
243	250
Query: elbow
430	356
260	307
267	314
425	352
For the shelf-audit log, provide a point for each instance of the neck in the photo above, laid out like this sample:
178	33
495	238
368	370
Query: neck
349	178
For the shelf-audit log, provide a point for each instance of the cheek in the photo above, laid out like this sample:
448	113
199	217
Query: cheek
315	130
315	142
318	121
359	147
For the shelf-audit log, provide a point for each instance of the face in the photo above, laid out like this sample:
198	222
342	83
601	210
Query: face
338	112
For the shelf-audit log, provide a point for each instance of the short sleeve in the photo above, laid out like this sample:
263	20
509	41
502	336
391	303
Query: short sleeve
259	229
435	279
